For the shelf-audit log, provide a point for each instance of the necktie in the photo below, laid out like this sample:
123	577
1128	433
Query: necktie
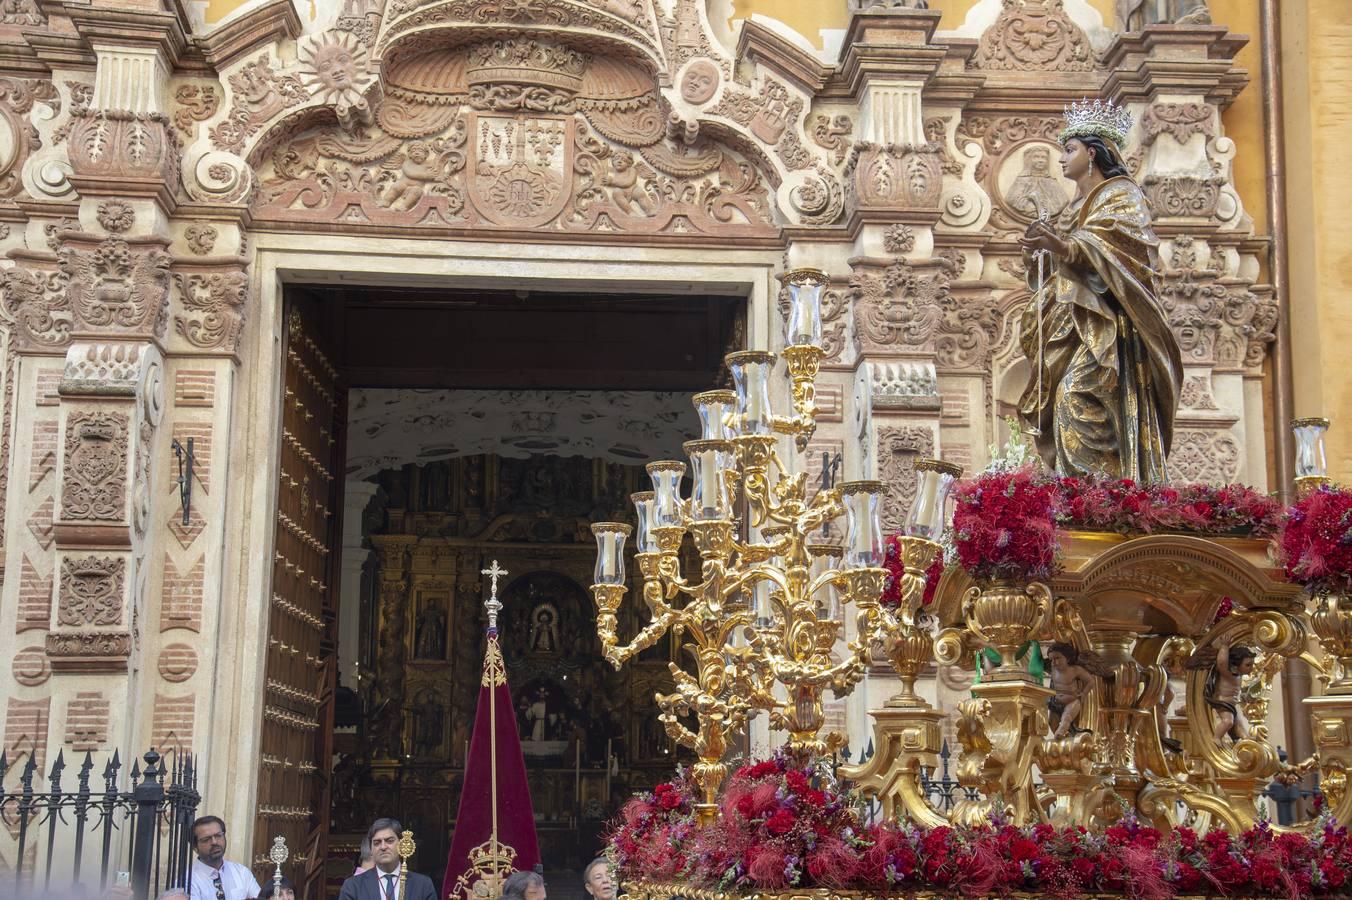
220	888
389	887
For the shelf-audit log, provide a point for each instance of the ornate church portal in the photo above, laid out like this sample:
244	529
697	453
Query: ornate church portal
439	478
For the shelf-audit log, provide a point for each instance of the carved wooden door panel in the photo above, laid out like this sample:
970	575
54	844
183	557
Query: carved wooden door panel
301	665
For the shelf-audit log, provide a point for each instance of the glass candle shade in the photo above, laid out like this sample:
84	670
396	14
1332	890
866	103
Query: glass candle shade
610	537
751	379
864	544
934	479
716	411
825	557
644	542
666	475
709	464
1309	435
805	307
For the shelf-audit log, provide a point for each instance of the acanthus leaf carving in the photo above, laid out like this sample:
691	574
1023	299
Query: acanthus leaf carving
904	308
1034	36
90	590
1216	323
94	477
895	175
123	145
213	308
1183	195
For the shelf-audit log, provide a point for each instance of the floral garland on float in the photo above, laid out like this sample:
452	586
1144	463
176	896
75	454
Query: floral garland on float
787	825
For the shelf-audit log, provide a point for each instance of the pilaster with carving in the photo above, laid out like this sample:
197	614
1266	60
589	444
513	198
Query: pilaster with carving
1177	79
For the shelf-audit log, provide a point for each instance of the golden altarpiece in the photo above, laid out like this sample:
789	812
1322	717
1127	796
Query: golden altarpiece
590	734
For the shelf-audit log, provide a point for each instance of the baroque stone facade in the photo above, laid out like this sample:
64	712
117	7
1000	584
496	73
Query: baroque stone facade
158	179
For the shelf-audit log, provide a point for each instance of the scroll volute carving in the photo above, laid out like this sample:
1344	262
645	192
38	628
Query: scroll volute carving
18	137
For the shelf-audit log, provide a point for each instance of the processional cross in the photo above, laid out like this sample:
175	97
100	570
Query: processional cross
494	572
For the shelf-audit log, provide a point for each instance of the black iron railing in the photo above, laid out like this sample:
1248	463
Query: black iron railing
82	839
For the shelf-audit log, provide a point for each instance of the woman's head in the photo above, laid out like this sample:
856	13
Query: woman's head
1079	153
523	886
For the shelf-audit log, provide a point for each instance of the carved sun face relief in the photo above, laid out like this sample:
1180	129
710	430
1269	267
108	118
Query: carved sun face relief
699	82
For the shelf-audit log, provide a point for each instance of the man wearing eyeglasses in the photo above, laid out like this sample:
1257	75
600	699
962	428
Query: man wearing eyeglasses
214	877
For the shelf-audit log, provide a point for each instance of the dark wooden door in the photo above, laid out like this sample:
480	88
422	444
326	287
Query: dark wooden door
301	663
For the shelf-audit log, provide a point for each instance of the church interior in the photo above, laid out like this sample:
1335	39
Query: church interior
498	425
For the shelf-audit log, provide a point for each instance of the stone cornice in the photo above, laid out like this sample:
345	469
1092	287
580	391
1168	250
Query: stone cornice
270	23
131	28
57	50
891	43
759	42
1175	59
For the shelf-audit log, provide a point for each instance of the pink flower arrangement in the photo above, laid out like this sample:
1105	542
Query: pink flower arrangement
786	825
1004	524
1315	543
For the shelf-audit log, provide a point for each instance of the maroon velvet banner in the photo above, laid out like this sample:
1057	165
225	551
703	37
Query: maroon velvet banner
472	858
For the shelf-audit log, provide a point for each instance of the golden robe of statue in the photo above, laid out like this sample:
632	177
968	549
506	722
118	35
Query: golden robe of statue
1111	367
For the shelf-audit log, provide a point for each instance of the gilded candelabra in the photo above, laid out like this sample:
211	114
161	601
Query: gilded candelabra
768	606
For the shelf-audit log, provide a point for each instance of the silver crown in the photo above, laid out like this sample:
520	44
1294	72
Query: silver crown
1099	118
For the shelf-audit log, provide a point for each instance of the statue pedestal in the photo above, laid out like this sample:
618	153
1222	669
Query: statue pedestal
906	739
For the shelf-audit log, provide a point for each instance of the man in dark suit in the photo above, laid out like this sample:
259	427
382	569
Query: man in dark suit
381	881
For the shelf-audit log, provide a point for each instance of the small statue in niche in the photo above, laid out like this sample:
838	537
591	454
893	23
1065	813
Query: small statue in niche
1133	15
544	629
431	637
427	729
1072	678
1228	667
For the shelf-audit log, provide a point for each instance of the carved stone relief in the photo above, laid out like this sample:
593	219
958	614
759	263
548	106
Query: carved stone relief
200	238
196	103
905	308
553	138
36	297
899	446
117	286
1204	456
125	146
895	175
1217	322
94	479
257	93
90	590
18	136
1180	120
1034	36
212	308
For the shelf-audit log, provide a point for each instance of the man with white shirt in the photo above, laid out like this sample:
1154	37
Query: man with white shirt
381	881
213	877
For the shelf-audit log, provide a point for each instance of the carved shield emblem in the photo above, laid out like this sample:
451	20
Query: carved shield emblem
522	166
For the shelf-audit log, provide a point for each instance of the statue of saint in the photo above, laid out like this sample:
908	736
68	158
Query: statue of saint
1133	15
1107	371
544	629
